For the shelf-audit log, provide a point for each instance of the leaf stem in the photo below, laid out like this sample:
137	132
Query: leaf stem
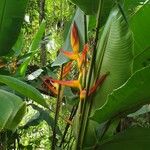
58	105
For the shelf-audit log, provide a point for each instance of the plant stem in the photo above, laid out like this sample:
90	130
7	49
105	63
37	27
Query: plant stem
58	105
87	102
73	112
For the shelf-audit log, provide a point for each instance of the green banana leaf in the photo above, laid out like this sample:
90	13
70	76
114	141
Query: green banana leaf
127	98
11	18
115	51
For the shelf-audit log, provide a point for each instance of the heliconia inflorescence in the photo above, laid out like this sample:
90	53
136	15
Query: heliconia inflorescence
80	58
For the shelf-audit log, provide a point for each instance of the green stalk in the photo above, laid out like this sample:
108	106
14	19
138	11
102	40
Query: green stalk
72	114
87	102
58	105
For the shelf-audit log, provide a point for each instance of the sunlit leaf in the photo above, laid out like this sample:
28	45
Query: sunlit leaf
24	89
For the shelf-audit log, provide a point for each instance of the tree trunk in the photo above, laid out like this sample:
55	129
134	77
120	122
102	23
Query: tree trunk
43	54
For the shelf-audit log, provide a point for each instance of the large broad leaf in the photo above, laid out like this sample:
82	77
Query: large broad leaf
12	109
128	97
115	52
11	17
24	89
131	139
140	24
79	20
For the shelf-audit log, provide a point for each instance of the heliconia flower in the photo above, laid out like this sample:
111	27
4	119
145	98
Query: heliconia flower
94	88
70	55
70	83
75	56
74	38
67	69
82	58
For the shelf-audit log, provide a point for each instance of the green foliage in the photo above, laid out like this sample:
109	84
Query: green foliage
98	123
41	115
133	138
127	98
114	55
33	49
141	60
11	18
12	109
24	89
140	27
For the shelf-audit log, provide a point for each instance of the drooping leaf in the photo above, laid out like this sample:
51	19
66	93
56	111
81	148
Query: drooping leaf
91	7
24	89
11	110
132	139
128	97
11	17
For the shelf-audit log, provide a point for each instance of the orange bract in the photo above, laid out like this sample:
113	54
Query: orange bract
66	69
80	58
70	83
74	38
94	88
70	55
